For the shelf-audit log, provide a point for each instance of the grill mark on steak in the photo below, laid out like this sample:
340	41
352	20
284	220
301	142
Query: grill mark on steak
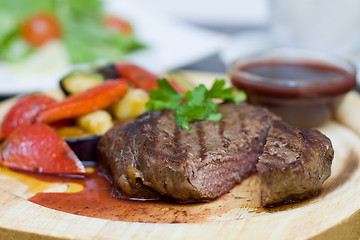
151	130
241	120
294	164
201	141
224	140
177	151
168	158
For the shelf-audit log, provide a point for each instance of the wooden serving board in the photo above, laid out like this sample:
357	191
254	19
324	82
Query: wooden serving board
333	214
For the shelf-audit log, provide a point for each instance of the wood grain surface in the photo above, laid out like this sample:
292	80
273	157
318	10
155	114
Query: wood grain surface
333	214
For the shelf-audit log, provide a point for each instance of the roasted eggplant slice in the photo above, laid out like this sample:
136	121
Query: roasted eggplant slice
80	141
84	147
108	72
78	81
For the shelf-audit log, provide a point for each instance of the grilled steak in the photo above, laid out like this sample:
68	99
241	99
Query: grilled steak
294	164
152	158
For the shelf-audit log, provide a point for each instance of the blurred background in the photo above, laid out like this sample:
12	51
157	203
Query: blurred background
327	25
167	35
245	25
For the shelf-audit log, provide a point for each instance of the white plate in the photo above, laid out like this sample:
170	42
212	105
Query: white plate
171	44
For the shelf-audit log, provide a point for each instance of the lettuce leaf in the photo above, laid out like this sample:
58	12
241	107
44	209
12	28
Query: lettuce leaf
83	33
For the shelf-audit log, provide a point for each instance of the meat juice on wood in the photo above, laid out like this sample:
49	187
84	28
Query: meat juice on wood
304	93
95	200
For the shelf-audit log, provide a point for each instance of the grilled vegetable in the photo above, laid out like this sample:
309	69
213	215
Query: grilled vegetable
82	142
38	148
89	101
141	78
79	81
137	76
108	72
98	122
84	147
131	105
24	112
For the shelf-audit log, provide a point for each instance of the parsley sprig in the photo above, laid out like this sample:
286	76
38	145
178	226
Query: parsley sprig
197	104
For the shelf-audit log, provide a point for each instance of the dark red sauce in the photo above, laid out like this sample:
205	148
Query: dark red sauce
95	200
298	71
304	93
292	80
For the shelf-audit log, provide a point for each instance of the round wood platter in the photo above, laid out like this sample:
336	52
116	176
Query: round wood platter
333	214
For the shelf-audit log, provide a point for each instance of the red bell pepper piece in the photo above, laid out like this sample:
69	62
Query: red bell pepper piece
93	99
38	148
24	111
137	76
141	78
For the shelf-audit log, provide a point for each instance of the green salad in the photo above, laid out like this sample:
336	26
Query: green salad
86	31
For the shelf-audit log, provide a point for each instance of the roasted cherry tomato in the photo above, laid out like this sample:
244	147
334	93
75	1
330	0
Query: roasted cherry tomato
24	111
38	148
40	29
93	99
118	25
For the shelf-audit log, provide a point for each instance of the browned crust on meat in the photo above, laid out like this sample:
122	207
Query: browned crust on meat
153	158
186	165
294	164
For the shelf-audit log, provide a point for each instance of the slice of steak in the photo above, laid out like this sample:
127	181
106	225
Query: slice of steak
294	164
152	157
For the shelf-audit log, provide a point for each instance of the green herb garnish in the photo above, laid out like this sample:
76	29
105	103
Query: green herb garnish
197	104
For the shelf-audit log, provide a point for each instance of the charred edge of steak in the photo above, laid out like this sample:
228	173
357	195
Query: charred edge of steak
294	164
293	198
139	191
115	156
